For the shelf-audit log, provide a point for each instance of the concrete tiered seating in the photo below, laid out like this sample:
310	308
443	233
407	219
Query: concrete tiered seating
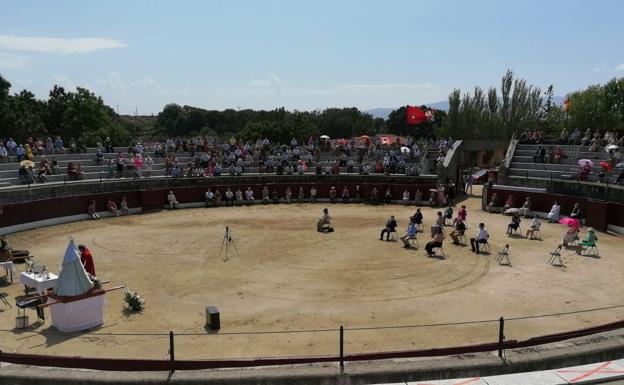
523	165
93	171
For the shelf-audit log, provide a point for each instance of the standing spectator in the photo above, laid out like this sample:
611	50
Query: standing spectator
332	194
288	195
138	165
229	197
313	195
59	145
406	197
468	181
265	195
301	195
388	196
87	260
148	163
209	197
108	145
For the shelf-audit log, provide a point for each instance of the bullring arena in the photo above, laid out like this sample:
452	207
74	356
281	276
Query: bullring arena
287	277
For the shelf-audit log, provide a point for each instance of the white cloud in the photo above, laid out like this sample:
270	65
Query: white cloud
115	83
150	85
9	61
601	67
272	81
58	45
620	67
64	81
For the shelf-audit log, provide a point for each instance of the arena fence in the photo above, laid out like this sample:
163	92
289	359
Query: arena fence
339	357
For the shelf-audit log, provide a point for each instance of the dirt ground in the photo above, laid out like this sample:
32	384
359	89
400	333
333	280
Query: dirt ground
288	277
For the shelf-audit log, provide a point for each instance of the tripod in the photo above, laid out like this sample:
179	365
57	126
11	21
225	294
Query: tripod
227	240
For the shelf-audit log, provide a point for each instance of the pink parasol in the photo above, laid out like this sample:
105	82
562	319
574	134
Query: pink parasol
570	222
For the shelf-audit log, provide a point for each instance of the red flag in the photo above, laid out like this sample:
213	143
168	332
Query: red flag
414	115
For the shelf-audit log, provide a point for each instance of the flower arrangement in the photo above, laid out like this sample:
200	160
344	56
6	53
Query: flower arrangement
133	300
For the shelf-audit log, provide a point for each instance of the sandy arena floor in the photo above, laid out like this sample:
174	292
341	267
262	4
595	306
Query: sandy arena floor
289	277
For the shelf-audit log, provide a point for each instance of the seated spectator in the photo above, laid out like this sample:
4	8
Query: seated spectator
390	227
570	235
19	151
448	214
509	203
41	175
332	194
209	197
589	241
576	212
71	171
458	231
526	207
436	241
388	196
26	174
80	175
91	211
172	200
481	238
112	207
249	197
461	214
324	223
123	206
410	234
238	197
374	196
515	223
4	154
176	172
265	195
345	194
558	155
535	226
553	215
418	219
406	197
584	171
229	197
540	155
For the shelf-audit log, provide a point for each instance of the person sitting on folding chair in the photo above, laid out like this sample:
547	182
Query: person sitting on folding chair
481	237
324	223
436	241
460	228
515	224
589	241
409	234
391	226
570	236
535	227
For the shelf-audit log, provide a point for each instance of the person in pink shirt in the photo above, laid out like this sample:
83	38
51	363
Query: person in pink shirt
138	164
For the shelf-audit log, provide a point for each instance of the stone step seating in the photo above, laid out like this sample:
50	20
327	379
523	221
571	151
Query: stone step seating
552	166
561	174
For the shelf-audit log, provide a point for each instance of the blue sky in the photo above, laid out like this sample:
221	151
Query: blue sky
304	54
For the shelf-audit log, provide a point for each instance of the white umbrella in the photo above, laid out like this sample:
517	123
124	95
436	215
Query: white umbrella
611	147
512	210
324	137
405	150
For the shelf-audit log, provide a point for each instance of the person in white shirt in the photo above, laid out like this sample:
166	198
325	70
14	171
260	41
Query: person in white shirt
481	237
553	215
173	202
209	198
535	226
249	198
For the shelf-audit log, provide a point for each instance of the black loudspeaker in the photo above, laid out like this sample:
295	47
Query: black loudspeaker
213	320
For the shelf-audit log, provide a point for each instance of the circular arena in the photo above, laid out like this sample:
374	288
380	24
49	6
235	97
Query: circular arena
285	290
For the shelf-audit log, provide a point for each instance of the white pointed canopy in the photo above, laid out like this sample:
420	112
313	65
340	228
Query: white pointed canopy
73	279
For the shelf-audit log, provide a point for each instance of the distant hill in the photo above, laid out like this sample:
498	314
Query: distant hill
443	105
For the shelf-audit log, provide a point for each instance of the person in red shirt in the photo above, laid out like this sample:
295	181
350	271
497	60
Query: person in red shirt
87	259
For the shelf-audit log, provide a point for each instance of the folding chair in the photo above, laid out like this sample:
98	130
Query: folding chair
534	234
393	235
413	242
503	256
591	250
483	246
4	300
462	237
556	256
438	252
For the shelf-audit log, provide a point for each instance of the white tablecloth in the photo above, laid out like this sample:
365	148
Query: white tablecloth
9	268
38	281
